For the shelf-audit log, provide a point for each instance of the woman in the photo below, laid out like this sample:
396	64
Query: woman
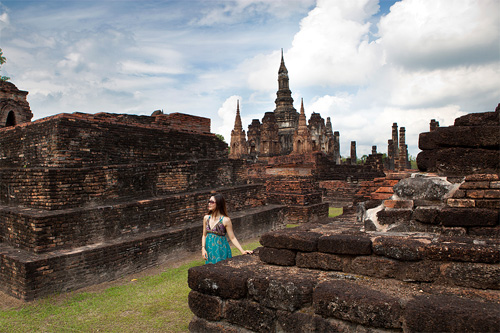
214	244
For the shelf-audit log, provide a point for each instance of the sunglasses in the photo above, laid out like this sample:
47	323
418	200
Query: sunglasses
211	201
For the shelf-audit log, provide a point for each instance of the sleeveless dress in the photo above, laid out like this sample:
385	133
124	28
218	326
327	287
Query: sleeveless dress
216	243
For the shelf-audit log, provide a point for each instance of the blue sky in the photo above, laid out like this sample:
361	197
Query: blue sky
364	63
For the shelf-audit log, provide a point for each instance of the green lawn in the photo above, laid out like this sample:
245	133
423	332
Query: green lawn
155	303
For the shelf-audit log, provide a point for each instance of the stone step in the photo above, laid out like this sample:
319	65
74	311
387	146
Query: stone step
27	275
458	261
244	293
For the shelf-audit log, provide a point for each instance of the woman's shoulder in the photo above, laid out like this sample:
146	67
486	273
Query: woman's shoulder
226	220
206	217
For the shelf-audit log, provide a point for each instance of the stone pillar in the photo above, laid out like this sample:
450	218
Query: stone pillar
433	125
374	150
402	150
336	147
353	153
390	155
395	142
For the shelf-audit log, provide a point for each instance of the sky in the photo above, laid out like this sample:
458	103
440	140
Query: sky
364	63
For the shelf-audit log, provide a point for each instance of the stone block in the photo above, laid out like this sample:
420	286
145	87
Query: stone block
475	194
488	204
354	244
485	232
373	266
318	260
468	217
425	215
249	315
398	204
200	325
442	313
205	306
478	184
380	196
418	271
481	177
394	216
282	257
479	119
225	282
299	322
492	194
472	275
400	248
358	304
292	240
385	189
495	184
278	289
453	249
461	203
469	136
459	161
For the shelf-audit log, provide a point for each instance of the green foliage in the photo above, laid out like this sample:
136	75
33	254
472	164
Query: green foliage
220	137
3	60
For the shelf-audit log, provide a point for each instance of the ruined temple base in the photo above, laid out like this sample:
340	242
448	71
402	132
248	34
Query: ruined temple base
27	275
333	277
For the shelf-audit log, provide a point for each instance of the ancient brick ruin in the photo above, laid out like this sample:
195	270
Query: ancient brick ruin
421	254
14	107
89	198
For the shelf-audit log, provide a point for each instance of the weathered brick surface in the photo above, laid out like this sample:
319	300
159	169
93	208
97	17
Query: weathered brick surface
477	275
440	313
82	141
300	240
249	315
352	302
205	306
318	260
40	231
280	257
200	325
468	217
222	281
345	244
279	289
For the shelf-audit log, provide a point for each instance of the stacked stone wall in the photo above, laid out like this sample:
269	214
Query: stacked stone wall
89	198
472	145
331	278
41	231
75	141
339	193
27	275
62	188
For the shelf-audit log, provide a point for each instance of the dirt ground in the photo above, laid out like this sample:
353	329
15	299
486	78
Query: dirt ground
9	302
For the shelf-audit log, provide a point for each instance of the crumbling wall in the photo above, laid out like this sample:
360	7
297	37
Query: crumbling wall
88	198
472	145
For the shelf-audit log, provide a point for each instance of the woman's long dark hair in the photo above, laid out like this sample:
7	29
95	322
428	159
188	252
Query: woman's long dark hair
220	204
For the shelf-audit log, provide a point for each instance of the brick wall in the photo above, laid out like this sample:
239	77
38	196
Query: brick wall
74	141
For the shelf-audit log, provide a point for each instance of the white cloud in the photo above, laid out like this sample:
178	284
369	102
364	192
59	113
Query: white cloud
227	115
438	34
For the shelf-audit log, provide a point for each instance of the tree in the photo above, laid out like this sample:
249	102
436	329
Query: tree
2	61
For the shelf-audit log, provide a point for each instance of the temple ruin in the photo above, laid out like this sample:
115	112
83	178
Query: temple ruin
420	253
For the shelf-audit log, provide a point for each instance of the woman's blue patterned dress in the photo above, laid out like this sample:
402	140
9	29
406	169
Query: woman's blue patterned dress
216	243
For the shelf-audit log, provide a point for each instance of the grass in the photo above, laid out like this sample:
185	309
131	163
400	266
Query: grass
335	211
156	303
